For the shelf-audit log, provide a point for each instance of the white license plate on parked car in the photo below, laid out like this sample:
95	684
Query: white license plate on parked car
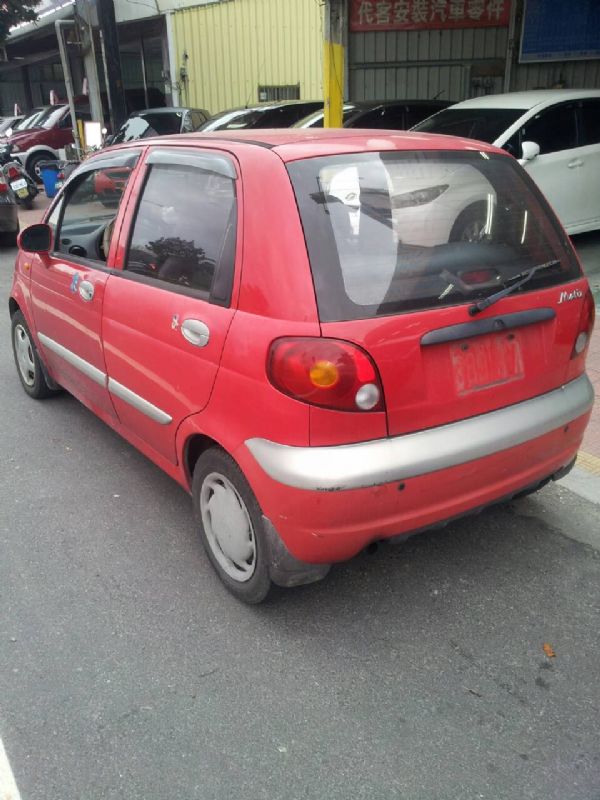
20	184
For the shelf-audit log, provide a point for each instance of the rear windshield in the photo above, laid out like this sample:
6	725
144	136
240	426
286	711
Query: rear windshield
142	126
485	124
391	232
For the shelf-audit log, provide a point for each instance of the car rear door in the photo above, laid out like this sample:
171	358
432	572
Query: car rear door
68	286
168	310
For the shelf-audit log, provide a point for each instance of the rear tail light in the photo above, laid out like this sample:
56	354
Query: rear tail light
325	372
586	324
3	186
478	276
13	172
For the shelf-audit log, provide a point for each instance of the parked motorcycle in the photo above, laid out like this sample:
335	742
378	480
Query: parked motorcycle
17	177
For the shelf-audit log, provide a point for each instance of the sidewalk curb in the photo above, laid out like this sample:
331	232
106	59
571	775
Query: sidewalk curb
583	482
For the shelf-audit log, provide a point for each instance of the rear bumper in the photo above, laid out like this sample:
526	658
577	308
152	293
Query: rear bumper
354	466
327	524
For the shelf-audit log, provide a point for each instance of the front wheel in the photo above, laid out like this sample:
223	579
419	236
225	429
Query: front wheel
231	526
27	360
470	225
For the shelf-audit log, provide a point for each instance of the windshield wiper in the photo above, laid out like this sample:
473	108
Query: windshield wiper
521	279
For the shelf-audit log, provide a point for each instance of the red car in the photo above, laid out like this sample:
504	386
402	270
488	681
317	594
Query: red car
52	131
329	338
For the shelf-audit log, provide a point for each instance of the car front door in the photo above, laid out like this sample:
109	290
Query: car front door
590	154
167	314
68	285
559	168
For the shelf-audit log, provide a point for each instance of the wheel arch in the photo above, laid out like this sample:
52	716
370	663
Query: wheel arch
195	444
13	307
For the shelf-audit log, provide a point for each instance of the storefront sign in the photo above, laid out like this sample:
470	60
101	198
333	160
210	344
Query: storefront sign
407	15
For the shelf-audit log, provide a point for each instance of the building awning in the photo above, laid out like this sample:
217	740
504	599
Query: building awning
48	13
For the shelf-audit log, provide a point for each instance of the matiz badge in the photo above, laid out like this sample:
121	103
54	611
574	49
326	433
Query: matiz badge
574	295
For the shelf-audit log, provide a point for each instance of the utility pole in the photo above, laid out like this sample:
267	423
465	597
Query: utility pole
87	13
114	77
333	62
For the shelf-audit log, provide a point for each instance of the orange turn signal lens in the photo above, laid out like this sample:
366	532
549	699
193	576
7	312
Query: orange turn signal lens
324	374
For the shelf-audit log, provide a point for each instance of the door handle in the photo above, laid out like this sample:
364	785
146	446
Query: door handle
86	291
577	162
196	332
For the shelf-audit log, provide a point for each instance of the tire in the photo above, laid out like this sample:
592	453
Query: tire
9	239
470	224
34	162
27	360
27	204
231	526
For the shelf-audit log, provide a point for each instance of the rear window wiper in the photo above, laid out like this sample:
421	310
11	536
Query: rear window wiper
521	279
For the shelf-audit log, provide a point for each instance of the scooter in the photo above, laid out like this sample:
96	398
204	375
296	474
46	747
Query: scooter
17	177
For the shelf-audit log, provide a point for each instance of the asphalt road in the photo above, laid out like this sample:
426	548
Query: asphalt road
126	671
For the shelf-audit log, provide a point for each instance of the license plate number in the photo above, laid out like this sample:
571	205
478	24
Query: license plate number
20	184
481	363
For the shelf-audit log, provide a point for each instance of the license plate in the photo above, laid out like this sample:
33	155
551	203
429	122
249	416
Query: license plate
20	184
486	361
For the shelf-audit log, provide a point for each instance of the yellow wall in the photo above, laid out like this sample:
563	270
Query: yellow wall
235	46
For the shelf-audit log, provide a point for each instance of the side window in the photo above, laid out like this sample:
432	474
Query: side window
184	230
553	129
187	125
590	118
513	145
66	121
372	119
89	211
198	120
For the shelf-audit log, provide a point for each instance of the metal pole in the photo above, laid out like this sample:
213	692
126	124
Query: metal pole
112	60
59	25
143	63
333	62
84	11
510	49
108	97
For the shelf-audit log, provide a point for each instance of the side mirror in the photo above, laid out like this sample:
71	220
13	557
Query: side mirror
530	150
8	133
36	239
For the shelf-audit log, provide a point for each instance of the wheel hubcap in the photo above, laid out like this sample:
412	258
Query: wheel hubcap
24	353
228	527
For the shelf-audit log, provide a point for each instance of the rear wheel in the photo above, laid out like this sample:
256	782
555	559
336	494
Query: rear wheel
27	360
231	526
33	165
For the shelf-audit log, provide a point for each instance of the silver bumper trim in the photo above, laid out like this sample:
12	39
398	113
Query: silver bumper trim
139	403
89	370
355	466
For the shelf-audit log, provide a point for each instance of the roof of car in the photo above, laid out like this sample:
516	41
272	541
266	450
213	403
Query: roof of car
292	144
526	100
268	105
164	110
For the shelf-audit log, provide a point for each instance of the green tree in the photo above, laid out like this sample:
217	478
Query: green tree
12	12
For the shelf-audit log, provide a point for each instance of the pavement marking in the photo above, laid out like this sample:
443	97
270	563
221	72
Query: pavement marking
8	785
588	462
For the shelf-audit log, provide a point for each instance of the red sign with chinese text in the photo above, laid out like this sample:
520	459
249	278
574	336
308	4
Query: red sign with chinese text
406	15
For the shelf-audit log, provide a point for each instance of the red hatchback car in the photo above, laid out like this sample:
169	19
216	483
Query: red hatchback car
330	338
